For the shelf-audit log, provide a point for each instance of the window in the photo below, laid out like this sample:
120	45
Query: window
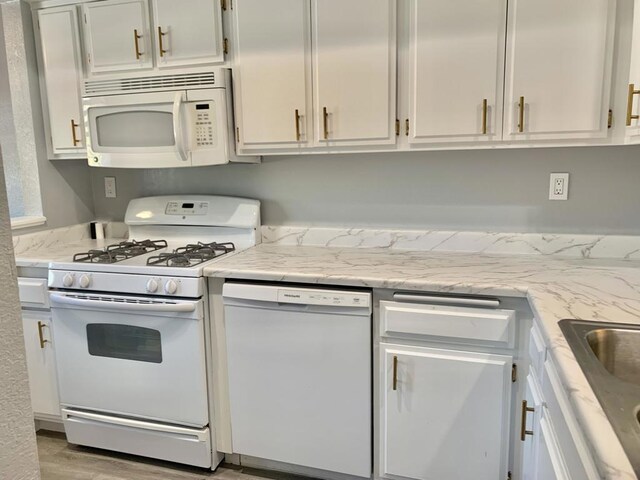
17	146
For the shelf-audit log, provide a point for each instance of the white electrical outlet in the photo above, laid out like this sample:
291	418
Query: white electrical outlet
559	186
110	187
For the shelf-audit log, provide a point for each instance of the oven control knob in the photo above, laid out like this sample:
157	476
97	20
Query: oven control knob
68	280
85	281
152	286
171	287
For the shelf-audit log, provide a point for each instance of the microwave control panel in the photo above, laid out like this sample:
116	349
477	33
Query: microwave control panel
204	122
187	208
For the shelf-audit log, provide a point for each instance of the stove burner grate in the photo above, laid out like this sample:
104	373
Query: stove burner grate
191	255
120	251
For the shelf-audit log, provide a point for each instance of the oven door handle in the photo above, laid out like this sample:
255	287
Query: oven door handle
62	299
177	127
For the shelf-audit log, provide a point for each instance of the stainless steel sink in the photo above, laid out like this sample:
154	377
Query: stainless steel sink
609	355
618	350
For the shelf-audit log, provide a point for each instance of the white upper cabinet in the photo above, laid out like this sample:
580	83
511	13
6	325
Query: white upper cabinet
117	35
271	53
354	71
187	32
444	413
558	69
61	75
456	70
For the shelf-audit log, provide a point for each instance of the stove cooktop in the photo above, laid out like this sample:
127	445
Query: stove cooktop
191	255
118	252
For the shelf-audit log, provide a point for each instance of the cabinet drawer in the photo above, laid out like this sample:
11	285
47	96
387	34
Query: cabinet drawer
33	292
471	325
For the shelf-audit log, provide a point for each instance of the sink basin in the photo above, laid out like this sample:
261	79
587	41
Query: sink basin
609	356
618	350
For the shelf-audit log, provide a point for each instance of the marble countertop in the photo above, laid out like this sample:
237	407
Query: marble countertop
557	288
41	256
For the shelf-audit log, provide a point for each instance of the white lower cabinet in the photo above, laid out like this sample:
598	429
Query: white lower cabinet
554	447
41	365
444	413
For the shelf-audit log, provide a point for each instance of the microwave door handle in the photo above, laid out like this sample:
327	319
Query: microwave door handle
102	305
177	127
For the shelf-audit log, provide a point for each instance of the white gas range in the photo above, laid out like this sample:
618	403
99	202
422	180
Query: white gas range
132	328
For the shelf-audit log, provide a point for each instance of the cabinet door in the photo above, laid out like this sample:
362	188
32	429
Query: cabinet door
354	73
633	99
445	413
531	427
456	70
550	464
41	365
272	73
558	69
61	64
188	32
117	35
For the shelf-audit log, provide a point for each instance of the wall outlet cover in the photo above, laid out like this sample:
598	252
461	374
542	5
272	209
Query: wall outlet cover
110	187
559	186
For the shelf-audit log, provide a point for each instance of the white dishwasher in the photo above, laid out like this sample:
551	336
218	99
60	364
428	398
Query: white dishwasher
299	362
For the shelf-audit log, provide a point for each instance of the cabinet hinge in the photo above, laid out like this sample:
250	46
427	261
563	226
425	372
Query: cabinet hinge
508	475
397	127
610	119
223	5
514	372
230	4
406	127
225	46
85	18
237	134
88	58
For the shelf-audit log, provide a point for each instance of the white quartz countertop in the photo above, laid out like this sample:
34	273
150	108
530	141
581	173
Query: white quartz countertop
557	288
41	256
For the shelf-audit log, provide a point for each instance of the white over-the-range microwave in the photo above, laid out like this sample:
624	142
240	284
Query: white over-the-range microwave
161	121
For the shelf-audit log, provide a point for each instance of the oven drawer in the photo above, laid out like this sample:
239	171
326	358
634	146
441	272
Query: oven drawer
190	446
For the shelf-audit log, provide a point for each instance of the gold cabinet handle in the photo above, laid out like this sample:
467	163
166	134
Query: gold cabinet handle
136	43
160	45
484	116
395	372
297	120
40	334
632	93
74	125
406	127
325	122
521	115
523	425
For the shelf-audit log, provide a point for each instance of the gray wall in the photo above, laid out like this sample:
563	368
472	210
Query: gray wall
65	185
501	190
18	453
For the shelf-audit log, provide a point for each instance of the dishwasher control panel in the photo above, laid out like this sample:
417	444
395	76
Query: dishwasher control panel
320	297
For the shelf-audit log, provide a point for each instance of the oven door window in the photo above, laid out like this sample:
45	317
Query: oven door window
124	341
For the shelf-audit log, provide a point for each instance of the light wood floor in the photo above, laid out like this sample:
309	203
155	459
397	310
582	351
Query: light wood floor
61	461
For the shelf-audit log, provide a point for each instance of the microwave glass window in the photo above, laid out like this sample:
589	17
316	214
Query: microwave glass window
126	342
135	129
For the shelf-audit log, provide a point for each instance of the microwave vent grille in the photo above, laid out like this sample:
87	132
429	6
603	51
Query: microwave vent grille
151	83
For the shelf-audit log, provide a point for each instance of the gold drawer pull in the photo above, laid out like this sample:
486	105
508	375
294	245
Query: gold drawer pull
484	116
297	120
136	43
632	93
40	334
160	45
325	122
74	125
523	425
395	372
521	115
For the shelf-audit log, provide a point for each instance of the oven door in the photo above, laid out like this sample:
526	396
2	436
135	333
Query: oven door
132	357
147	130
